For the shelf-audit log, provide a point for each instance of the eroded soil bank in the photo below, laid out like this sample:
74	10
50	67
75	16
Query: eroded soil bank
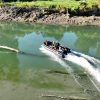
50	16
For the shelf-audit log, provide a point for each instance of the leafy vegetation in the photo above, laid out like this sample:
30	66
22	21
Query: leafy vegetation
58	4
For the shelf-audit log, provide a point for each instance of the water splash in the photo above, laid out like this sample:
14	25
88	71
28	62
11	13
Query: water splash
80	59
90	64
62	63
84	61
92	60
56	58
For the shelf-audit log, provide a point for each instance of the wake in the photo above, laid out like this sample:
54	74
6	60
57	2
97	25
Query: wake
56	58
62	63
89	64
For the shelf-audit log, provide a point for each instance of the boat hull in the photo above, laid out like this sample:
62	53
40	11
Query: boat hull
56	52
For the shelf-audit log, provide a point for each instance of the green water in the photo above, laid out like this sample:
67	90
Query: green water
32	75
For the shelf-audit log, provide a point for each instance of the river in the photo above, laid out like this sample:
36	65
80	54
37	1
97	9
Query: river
40	75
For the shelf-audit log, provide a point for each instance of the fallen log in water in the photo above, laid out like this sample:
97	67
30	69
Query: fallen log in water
9	48
67	98
14	50
18	51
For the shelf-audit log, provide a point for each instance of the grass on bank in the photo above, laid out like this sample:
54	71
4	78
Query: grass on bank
46	4
58	4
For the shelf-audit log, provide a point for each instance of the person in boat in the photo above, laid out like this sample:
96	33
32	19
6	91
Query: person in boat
65	51
48	43
53	45
57	46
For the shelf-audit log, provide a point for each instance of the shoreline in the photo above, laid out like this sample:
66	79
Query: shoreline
49	16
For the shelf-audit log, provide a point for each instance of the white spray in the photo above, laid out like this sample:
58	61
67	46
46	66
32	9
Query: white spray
80	60
85	64
61	62
83	61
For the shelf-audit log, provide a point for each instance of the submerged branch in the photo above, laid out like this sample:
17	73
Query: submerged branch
9	48
60	97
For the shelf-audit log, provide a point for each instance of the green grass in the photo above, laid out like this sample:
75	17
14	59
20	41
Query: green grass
46	4
93	2
58	4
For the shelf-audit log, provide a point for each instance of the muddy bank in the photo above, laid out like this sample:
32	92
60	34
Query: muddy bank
50	16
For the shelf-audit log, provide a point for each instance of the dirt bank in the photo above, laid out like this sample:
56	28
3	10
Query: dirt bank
50	16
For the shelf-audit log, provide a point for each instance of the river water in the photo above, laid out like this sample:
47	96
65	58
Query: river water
39	74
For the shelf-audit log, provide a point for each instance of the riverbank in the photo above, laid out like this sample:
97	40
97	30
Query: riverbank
50	16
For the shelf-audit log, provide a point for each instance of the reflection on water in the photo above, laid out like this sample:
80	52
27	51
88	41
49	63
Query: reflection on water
32	68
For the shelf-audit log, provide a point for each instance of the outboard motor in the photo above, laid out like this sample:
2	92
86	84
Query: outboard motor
65	51
63	56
